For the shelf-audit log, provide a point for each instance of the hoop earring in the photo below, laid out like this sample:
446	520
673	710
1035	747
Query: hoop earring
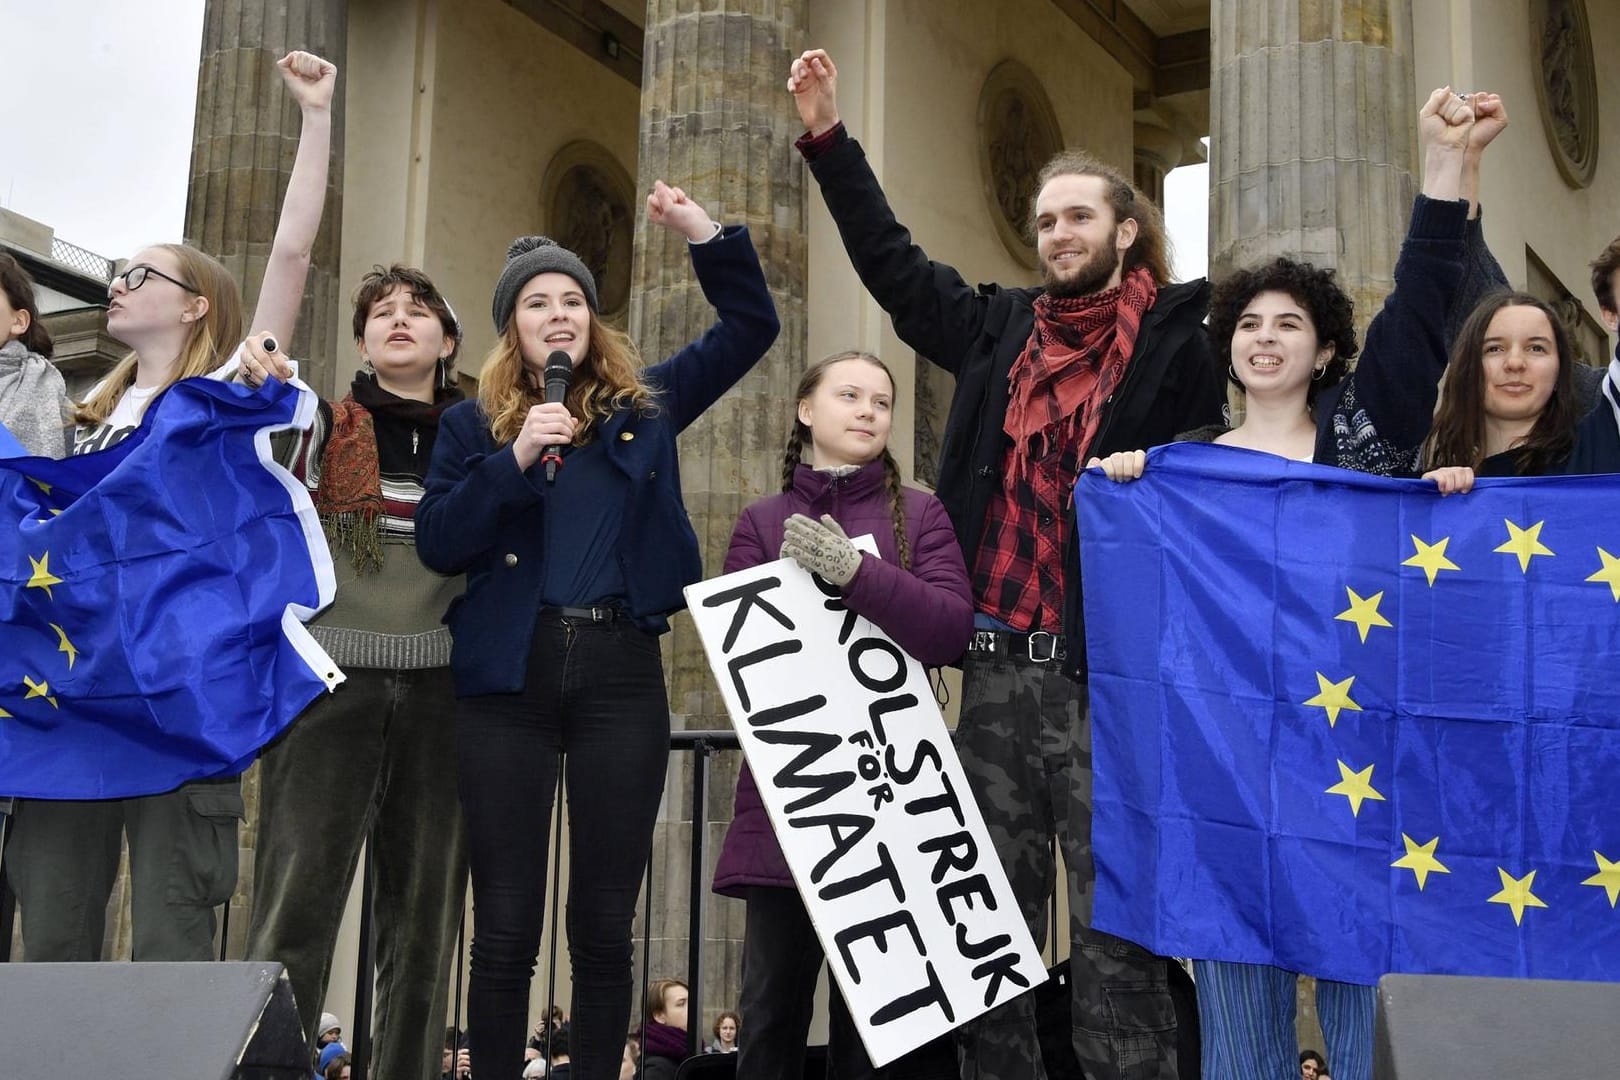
1232	371
1320	372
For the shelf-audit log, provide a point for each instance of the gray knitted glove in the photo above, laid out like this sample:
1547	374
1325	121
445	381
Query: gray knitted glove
821	548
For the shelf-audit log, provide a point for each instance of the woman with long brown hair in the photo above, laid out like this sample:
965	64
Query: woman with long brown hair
572	573
1508	406
180	312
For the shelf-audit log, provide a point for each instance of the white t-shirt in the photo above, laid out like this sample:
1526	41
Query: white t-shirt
124	419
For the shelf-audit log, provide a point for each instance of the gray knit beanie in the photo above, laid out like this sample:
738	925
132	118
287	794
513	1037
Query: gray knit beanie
531	255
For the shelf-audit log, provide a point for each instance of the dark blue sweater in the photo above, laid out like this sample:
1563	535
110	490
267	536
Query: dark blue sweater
1597	440
483	515
1376	419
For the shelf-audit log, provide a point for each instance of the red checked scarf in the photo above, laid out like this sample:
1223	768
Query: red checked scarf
1074	360
349	499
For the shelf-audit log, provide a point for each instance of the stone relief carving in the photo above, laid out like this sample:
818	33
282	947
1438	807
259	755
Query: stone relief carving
1561	43
1018	133
585	204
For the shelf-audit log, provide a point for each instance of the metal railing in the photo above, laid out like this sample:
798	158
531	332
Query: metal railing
82	259
702	745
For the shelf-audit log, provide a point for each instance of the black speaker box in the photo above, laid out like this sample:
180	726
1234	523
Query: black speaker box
205	1021
1439	1025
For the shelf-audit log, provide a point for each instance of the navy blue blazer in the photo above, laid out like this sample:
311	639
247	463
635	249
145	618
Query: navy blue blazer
481	515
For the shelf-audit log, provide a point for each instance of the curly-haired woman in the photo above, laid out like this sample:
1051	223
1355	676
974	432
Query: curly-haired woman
1286	330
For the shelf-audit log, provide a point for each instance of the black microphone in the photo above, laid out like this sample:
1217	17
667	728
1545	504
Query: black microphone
559	372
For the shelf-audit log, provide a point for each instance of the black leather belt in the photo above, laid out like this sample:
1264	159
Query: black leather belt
587	614
1037	647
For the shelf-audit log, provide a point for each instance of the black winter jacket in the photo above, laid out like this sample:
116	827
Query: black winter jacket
1170	385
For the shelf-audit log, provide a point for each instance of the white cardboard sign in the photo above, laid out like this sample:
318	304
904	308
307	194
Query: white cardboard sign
868	799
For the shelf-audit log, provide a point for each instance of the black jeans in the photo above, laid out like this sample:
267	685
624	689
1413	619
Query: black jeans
782	960
594	692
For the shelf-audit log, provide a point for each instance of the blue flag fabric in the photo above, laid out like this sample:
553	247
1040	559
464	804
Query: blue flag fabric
151	598
1346	727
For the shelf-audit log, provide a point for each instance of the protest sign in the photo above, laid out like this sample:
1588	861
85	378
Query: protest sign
865	792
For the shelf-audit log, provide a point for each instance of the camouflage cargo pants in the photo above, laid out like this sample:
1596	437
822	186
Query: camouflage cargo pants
1025	743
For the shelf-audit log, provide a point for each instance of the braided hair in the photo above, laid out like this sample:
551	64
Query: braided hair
799	438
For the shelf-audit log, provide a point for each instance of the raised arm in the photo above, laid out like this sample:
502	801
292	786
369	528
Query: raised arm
728	270
934	310
310	81
1490	120
1482	274
1396	381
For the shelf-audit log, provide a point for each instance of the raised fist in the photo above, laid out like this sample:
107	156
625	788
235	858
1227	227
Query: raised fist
813	82
674	210
1490	119
1445	121
309	79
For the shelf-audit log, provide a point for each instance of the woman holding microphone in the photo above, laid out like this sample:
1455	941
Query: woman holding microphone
572	573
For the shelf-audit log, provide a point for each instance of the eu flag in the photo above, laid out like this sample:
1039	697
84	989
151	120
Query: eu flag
1346	727
151	598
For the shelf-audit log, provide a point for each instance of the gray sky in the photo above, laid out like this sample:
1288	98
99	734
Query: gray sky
101	148
98	140
1186	218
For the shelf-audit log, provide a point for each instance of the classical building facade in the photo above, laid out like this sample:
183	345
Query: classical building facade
463	125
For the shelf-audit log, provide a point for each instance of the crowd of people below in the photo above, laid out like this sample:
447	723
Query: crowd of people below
654	1049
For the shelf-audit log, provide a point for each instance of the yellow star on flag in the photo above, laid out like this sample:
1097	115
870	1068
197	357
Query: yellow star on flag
1363	612
1355	786
1607	877
1610	574
1431	558
1419	859
3	713
1516	894
43	578
1524	543
39	689
1333	696
42	485
66	646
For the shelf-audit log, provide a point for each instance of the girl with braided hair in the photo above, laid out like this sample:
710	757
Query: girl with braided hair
917	592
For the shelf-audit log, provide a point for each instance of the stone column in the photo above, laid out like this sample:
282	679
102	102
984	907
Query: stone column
1313	137
1313	146
717	121
242	151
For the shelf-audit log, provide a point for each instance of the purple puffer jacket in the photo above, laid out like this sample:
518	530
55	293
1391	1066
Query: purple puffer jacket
928	610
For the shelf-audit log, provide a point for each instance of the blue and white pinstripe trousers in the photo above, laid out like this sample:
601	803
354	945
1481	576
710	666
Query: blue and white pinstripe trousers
1246	1022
